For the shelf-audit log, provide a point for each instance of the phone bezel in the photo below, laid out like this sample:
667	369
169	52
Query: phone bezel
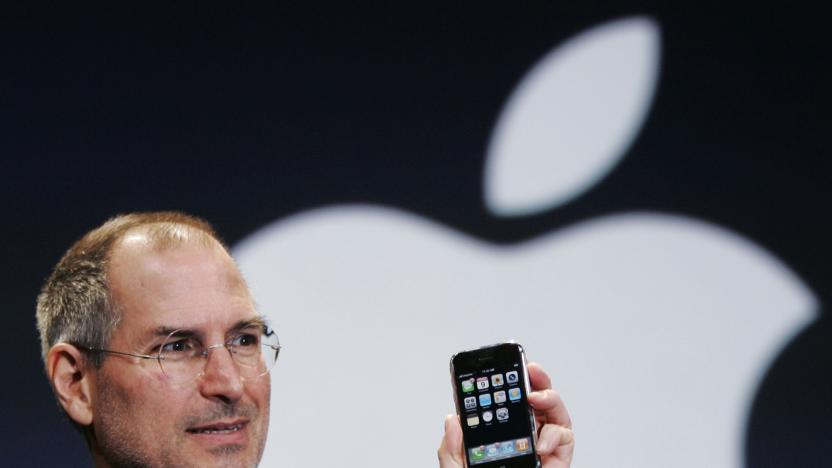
483	354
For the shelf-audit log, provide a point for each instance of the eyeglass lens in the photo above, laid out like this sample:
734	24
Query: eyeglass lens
255	351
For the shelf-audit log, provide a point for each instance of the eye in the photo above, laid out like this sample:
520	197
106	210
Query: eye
179	346
245	340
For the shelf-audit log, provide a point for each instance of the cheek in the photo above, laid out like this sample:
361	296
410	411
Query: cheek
143	407
260	394
137	424
264	391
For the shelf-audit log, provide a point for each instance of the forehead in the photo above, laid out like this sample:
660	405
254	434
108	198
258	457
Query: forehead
187	284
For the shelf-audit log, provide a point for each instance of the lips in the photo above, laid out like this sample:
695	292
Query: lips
218	428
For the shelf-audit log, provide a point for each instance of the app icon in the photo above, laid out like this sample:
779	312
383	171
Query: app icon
468	385
507	447
502	414
485	399
491	450
478	453
513	394
521	444
500	397
482	383
511	377
473	420
470	402
497	380
487	416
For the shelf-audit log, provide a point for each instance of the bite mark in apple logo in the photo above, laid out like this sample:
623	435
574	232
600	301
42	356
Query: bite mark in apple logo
656	328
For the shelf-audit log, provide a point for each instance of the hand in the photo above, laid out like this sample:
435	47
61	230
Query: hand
555	441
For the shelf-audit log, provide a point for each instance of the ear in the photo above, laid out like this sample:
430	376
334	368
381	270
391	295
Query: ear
72	378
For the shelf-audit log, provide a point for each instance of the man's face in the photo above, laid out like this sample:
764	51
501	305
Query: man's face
141	418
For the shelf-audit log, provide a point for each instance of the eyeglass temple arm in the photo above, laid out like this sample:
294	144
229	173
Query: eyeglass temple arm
109	351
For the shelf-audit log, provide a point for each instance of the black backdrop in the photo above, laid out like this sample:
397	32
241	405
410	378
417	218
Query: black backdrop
246	115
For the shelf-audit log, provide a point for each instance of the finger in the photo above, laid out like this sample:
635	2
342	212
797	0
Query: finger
538	377
550	408
450	450
552	437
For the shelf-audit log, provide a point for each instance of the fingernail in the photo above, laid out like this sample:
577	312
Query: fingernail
542	446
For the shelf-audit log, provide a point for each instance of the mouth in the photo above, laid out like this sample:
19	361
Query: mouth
218	428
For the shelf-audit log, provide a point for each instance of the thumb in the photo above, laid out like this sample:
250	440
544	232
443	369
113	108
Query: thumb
450	450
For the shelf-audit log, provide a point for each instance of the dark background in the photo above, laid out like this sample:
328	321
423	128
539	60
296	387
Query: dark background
245	115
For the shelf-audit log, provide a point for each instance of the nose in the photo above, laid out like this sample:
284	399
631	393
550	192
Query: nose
220	380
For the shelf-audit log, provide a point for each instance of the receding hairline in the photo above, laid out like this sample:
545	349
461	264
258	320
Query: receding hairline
159	238
163	235
153	242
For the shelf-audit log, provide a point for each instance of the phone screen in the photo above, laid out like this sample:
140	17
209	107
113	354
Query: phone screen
491	389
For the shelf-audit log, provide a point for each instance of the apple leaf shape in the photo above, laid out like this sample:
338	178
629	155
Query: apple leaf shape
572	117
657	330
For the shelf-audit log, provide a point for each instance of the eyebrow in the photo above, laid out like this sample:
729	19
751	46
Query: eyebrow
255	322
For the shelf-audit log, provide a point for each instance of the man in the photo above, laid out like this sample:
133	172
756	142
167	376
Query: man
134	321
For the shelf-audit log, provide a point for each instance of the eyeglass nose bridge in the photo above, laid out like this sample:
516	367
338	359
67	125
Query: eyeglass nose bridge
215	346
206	351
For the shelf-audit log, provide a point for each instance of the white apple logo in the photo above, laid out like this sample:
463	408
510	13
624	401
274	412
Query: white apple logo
656	328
